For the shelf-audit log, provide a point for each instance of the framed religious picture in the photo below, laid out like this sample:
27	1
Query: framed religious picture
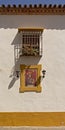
30	78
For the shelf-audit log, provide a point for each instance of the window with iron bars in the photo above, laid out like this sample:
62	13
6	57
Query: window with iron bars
31	43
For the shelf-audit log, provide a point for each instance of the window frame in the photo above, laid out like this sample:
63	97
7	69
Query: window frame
38	31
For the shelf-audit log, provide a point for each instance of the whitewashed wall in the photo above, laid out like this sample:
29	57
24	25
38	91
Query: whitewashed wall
52	97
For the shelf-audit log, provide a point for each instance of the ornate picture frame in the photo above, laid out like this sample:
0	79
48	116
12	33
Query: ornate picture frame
30	78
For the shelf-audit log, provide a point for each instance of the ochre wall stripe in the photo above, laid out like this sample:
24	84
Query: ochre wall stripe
32	119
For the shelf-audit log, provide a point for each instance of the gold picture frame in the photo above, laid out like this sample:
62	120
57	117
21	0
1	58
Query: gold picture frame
30	78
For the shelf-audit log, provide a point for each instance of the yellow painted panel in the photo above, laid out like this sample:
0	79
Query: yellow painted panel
30	29
32	119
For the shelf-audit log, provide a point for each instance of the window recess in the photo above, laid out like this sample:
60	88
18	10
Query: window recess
31	42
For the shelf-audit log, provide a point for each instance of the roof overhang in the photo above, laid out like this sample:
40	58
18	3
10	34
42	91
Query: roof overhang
32	10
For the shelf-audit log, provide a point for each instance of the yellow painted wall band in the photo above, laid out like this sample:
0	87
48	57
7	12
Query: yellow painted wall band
32	119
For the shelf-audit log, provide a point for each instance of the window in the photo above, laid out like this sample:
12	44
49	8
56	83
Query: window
30	78
31	42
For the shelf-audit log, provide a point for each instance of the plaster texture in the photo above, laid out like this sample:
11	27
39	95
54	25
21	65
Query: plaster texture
32	128
52	97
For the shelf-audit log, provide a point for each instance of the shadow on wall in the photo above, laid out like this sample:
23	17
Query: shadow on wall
46	21
27	60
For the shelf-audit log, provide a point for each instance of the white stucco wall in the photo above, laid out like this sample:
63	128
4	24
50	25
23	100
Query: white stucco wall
52	97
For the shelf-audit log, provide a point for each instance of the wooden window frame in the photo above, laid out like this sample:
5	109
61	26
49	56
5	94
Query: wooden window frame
23	87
